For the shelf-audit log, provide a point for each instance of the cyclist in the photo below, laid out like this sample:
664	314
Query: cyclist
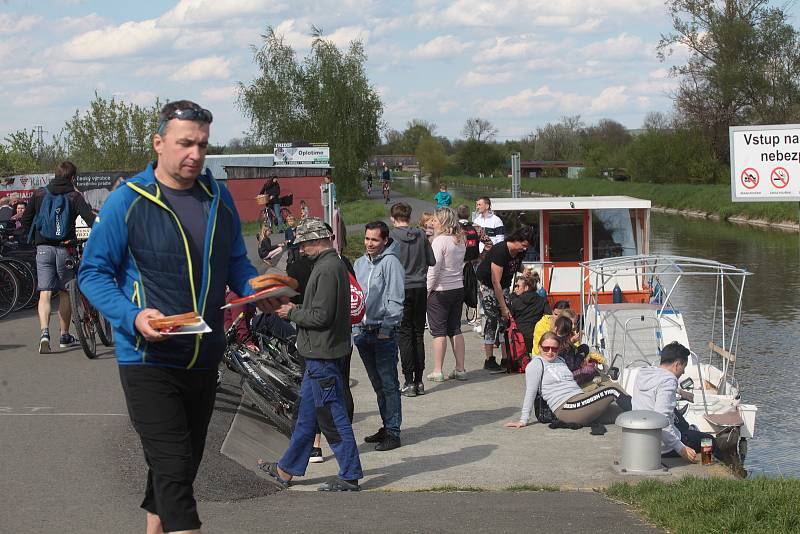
369	183
50	225
386	181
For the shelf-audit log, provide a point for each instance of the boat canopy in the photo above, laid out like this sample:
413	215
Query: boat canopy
568	203
660	265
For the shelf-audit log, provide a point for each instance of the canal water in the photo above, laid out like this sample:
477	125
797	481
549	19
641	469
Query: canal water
768	367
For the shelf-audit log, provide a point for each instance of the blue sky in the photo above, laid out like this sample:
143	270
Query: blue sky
517	63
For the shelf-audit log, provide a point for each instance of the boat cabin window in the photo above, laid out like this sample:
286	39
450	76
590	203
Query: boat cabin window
566	236
613	233
515	219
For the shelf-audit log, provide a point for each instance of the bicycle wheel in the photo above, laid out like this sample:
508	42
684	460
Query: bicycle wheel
9	290
26	279
82	319
104	330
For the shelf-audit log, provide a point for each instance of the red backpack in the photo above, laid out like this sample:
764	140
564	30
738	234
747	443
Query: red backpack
357	308
472	241
518	357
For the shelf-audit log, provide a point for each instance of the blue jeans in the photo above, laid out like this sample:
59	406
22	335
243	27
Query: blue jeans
277	209
380	360
321	403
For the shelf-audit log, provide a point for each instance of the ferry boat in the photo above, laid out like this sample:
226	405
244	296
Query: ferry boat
594	252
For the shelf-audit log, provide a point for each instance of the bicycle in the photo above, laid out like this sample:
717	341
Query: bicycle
369	187
19	269
271	372
89	323
387	185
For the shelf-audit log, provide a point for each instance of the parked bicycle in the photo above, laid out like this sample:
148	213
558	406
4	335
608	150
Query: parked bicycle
17	274
271	372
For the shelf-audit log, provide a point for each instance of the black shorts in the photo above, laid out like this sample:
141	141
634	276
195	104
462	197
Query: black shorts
444	312
170	410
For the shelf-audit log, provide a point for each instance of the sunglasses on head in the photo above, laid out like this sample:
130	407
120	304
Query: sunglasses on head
548	348
186	114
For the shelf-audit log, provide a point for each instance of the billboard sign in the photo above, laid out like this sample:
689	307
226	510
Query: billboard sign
288	154
765	163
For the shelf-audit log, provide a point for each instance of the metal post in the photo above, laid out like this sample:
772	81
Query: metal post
515	175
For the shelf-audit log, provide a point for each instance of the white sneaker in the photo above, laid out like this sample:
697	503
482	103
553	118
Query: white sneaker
316	456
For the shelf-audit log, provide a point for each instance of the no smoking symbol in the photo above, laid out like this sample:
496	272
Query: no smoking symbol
749	178
779	177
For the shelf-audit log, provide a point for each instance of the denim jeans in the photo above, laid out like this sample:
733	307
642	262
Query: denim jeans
380	360
321	403
277	209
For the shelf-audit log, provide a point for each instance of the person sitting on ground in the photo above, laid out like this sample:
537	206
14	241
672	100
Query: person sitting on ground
655	390
426	224
445	286
266	250
443	198
563	395
527	307
574	353
545	324
304	212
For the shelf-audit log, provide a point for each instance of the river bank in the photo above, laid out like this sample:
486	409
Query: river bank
696	201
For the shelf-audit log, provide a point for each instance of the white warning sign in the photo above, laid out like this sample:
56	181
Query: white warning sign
765	163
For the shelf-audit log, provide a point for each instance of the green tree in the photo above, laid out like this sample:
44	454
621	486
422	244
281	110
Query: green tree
560	141
325	98
431	156
415	130
479	157
25	152
743	65
112	135
605	146
674	155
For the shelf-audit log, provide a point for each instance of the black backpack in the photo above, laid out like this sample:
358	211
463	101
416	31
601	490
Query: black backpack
472	241
470	286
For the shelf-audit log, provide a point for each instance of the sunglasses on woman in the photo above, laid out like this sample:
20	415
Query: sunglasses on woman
548	348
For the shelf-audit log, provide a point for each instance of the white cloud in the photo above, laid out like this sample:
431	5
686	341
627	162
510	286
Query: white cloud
23	75
292	36
621	47
439	47
589	25
190	12
226	93
35	96
447	106
140	98
476	78
127	39
86	23
659	73
207	68
194	40
342	37
521	46
10	24
609	98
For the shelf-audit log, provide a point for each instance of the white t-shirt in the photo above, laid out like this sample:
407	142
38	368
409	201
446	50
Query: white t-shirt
492	226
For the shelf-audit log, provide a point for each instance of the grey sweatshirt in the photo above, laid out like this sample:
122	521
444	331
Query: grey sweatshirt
414	252
655	390
323	319
381	279
556	382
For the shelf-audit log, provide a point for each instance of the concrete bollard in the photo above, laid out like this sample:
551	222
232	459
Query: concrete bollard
641	442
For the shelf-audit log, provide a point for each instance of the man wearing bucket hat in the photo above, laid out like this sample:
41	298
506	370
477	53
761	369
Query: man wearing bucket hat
323	338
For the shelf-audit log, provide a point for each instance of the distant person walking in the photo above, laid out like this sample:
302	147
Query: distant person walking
443	198
416	256
445	285
386	182
381	276
49	218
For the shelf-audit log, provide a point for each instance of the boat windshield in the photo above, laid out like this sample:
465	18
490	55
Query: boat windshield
613	233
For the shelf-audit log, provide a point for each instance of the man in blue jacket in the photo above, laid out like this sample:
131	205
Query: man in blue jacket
166	242
381	276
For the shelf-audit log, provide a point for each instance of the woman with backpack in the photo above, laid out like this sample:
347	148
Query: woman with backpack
549	374
446	293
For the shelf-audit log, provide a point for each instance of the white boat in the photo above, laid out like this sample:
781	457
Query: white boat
594	252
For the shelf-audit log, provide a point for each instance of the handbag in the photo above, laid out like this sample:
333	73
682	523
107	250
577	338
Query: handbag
518	357
541	410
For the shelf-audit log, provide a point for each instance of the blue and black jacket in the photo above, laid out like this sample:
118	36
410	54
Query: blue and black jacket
138	257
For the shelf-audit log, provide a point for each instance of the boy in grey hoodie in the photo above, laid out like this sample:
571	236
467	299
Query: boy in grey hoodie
381	276
416	255
655	389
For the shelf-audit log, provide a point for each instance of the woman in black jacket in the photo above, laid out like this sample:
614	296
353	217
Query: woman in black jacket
527	306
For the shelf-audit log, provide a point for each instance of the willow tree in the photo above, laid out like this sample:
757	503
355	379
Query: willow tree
325	97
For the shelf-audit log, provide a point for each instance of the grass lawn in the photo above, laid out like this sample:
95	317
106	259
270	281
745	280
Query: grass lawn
363	211
713	505
715	199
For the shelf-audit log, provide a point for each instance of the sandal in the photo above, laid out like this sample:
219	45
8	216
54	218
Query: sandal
436	377
271	470
337	484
